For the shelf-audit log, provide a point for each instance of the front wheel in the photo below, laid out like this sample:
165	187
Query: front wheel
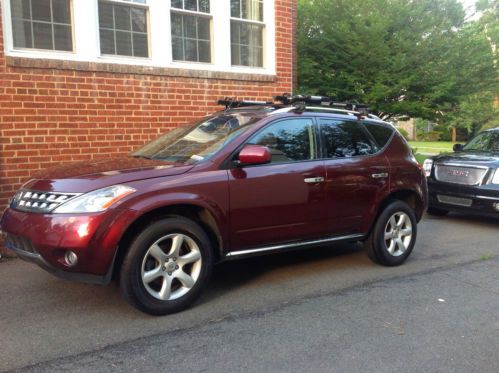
393	235
167	266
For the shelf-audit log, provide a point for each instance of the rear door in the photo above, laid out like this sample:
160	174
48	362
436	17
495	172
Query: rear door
281	201
357	173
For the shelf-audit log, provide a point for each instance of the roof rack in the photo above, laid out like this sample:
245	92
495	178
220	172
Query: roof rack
231	103
301	103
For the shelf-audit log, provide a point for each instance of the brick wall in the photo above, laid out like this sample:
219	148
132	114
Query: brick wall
61	111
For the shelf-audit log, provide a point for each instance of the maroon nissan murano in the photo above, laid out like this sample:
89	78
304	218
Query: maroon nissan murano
253	179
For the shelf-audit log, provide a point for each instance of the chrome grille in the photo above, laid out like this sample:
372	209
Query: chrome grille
460	174
19	243
37	201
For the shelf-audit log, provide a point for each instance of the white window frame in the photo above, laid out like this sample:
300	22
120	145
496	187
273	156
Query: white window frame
86	40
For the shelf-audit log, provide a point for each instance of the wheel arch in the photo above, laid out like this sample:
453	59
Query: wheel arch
411	197
199	214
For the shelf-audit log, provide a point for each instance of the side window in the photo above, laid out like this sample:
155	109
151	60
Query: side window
380	133
288	140
345	139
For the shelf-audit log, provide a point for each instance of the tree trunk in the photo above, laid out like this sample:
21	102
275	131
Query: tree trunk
454	135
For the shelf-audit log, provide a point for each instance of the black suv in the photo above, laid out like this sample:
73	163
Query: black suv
468	179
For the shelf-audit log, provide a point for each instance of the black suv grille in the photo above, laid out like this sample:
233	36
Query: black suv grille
19	243
43	202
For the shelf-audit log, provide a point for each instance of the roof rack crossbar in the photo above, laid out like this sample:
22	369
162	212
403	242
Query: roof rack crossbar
231	103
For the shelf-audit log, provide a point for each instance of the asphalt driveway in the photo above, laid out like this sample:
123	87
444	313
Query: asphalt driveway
326	309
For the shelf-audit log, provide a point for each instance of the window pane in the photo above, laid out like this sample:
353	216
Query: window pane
203	28
140	48
191	53
190	26
139	20
122	17
20	9
107	42
176	24
106	15
177	4
204	51
204	6
380	133
63	38
22	34
235	8
345	139
41	10
190	5
288	140
177	49
124	43
61	11
42	33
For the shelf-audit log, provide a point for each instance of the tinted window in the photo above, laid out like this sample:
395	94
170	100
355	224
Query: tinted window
345	139
288	140
380	133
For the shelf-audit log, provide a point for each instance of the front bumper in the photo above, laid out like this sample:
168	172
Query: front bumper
43	239
483	198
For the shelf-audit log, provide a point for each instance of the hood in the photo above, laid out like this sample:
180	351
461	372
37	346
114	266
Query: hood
85	176
478	159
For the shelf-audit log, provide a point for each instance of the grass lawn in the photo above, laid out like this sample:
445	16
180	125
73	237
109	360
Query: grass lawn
436	147
421	158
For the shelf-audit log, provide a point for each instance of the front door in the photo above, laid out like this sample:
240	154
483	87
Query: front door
281	201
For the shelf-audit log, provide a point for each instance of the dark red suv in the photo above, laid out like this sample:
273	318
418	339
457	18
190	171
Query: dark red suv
245	181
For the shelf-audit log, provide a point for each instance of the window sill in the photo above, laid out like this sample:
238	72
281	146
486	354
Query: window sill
37	63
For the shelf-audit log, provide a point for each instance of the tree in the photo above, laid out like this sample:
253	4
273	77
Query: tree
402	57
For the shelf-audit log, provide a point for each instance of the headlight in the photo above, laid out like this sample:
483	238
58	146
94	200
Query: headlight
98	200
427	165
495	179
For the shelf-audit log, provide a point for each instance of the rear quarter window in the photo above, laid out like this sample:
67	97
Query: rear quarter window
381	134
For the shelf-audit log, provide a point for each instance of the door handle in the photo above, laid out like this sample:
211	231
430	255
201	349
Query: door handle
382	175
314	180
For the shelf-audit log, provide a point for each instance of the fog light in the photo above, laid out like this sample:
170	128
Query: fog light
496	206
71	258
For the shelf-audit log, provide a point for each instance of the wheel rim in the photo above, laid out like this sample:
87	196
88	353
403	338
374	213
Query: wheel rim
398	233
171	267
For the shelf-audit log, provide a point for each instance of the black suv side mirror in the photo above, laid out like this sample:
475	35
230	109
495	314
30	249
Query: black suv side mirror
458	147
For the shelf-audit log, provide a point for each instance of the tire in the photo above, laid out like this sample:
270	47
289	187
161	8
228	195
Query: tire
391	240
167	266
437	212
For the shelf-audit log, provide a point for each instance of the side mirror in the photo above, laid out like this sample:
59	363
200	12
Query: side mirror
458	147
253	155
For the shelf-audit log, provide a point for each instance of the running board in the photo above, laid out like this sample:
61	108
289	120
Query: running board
234	254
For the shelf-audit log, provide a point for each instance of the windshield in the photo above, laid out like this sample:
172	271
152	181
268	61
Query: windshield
194	144
484	142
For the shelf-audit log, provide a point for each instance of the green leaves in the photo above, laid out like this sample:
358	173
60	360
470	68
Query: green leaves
402	57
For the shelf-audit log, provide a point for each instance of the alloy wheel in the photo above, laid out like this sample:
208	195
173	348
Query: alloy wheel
398	233
171	267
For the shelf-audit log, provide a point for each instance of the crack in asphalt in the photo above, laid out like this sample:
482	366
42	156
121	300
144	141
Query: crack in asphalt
263	311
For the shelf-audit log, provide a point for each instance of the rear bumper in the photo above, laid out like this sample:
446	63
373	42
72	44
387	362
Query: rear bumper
43	239
482	198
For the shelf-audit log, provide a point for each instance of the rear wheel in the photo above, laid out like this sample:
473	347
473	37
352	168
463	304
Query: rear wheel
167	266
394	234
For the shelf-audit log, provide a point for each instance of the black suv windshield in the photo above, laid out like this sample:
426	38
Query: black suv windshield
204	139
484	142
